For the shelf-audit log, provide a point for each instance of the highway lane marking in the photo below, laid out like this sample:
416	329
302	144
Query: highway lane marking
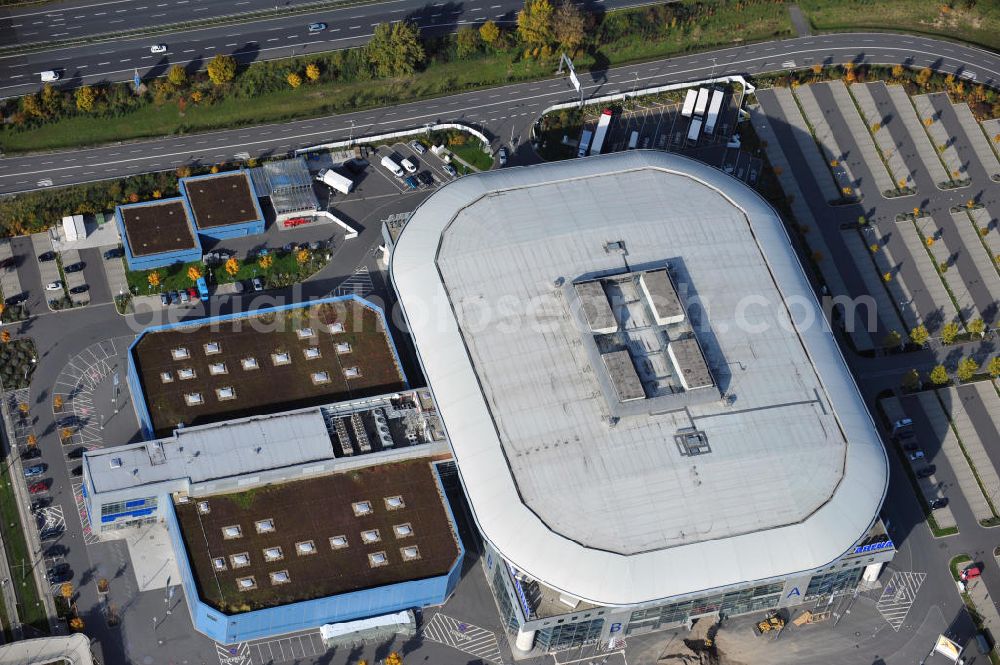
49	11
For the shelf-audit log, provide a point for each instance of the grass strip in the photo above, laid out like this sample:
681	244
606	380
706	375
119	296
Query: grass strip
30	607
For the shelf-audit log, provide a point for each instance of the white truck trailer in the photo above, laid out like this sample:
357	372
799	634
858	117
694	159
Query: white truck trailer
694	130
602	129
714	107
701	103
332	179
390	163
688	108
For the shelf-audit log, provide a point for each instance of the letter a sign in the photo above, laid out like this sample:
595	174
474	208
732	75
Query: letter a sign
794	592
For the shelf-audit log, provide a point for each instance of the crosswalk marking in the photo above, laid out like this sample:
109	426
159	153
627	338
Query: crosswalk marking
233	654
897	597
358	284
473	640
89	537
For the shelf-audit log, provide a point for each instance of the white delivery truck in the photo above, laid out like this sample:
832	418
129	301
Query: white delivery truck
332	179
714	107
689	100
701	103
694	130
602	129
584	143
389	163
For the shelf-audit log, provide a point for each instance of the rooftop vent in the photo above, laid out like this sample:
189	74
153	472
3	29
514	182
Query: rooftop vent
225	393
219	563
394	502
311	353
343	347
371	536
320	377
194	399
212	348
264	526
305	548
351	372
204	508
249	363
280	358
360	508
217	368
376	559
692	442
116	462
246	583
241	560
335	327
166	377
338	542
410	552
180	353
273	554
304	333
231	532
186	373
280	577
403	530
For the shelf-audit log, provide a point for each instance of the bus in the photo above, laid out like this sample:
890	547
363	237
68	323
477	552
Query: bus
713	111
600	132
701	103
688	109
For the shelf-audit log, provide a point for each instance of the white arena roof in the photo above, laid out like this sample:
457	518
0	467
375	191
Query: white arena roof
601	499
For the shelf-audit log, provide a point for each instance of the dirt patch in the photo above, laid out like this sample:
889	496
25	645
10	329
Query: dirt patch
153	228
221	200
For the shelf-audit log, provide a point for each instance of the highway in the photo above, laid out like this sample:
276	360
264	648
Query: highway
505	112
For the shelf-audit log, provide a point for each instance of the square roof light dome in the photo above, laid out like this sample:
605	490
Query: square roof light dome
338	542
370	536
305	548
376	559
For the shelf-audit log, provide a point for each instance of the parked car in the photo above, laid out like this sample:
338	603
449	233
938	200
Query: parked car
174	298
418	147
910	446
915	455
54	286
74	267
56	550
409	165
35	470
193	293
902	423
164	299
185	298
426	177
939	502
78	470
257	284
113	253
411	182
970	573
38	504
355	166
59	573
47	256
39	487
49	533
317	27
16	299
450	170
158	48
7	263
502	156
76	453
31	453
926	472
83	288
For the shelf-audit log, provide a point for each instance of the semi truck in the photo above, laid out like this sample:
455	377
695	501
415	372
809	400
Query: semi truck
701	103
389	163
713	110
688	108
336	181
694	130
584	143
602	129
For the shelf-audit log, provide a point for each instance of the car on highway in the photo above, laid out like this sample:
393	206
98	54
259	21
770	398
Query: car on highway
54	286
939	502
33	471
74	267
418	147
158	48
83	288
46	256
411	182
114	253
450	170
317	27
50	75
915	455
39	487
502	156
59	573
31	453
257	284
926	472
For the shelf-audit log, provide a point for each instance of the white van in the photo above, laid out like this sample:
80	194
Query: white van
389	163
409	166
50	75
633	140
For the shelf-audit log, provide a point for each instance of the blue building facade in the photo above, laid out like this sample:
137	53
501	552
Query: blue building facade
160	259
135	384
274	621
239	230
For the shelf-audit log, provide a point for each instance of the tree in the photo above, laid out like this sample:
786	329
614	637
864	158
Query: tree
490	34
395	50
57	402
919	335
569	26
5	336
873	247
23	407
994	367
911	380
924	76
3	307
66	590
177	75
467	42
977	327
32	440
887	277
966	369
85	98
897	71
939	375
534	22
76	625
222	69
302	257
949	332
233	266
892	338
194	273
265	262
312	71
393	659
51	99
65	434
154	279
294	79
31	106
817	69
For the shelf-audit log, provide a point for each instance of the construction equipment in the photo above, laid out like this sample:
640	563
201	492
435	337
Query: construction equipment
773	621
